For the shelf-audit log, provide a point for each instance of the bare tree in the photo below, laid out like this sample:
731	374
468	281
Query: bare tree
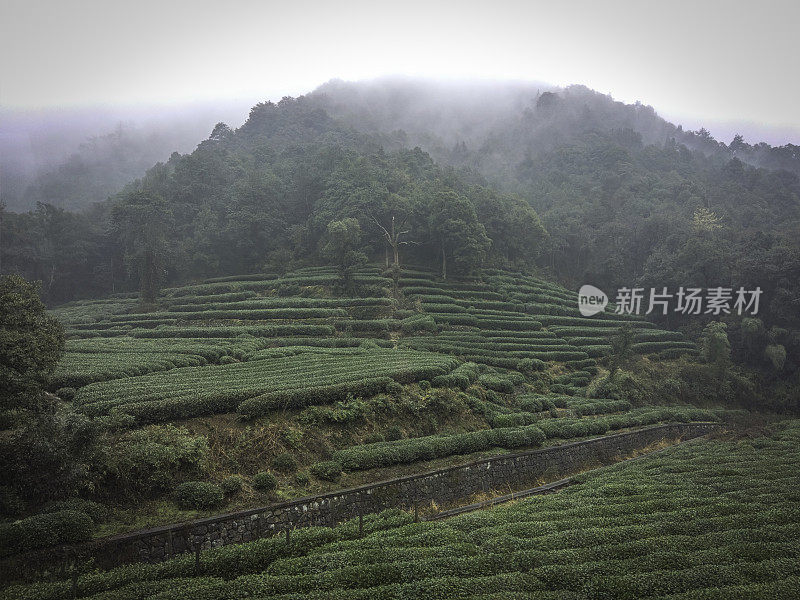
393	237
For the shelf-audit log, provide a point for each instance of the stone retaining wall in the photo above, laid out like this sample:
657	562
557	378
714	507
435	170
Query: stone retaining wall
444	487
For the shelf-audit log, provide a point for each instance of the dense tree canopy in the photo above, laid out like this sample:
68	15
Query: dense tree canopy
31	343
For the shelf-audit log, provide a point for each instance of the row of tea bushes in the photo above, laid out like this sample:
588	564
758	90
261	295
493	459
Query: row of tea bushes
221	388
87	361
383	454
235	331
712	520
140	580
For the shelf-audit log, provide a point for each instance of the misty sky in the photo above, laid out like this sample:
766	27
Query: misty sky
701	62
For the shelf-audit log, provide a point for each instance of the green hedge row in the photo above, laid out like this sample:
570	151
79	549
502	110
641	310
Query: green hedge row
224	287
514	419
522	335
217	298
570	428
501	383
418	322
383	325
509	358
383	454
274	303
297	398
43	530
510	325
597	407
179	575
532	404
677	352
247	277
653	347
320	342
235	331
100	325
85	334
456	319
461	377
433	307
261	314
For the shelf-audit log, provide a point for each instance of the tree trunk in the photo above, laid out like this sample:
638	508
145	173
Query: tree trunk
444	263
149	284
395	242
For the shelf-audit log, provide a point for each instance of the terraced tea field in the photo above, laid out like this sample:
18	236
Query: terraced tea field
262	383
499	323
711	519
406	372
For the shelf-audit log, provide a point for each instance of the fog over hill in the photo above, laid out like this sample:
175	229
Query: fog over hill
492	125
72	158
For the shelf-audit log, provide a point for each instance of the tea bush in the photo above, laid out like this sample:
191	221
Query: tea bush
198	495
326	470
265	482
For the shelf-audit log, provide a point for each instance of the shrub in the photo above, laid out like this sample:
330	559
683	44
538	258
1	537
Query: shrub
66	393
394	388
302	478
512	419
145	462
227	360
47	529
327	470
287	289
425	384
435	446
263	404
462	377
599	407
498	383
531	404
265	482
531	365
96	511
232	485
198	495
284	463
418	322
10	502
394	433
372	438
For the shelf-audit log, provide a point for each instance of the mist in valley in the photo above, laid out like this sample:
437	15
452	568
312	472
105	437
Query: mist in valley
74	156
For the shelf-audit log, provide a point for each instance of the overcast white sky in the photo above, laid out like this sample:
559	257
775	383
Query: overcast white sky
699	62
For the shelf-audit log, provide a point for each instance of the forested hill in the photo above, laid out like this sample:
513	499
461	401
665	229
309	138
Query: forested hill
564	182
264	196
626	197
490	125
